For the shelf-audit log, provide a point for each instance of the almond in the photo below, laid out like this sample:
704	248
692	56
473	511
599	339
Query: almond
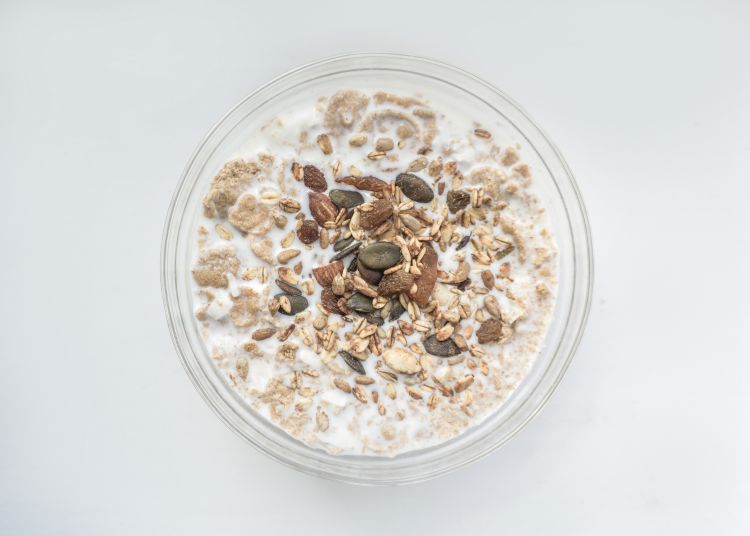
380	211
322	208
324	274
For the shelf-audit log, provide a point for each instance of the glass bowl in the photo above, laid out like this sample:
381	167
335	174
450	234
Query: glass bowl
441	84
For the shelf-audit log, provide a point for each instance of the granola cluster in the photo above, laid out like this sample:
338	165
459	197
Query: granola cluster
368	286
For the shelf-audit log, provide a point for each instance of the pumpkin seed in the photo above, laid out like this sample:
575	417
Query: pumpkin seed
346	198
346	251
298	304
414	188
352	361
342	243
446	348
380	255
360	302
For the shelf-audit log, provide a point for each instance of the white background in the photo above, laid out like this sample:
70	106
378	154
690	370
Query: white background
100	107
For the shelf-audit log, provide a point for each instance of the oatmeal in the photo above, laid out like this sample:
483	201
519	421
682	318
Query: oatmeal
373	275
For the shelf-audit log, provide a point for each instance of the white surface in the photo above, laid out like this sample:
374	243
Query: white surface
100	107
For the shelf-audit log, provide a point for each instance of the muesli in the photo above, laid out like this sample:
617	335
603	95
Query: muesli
374	275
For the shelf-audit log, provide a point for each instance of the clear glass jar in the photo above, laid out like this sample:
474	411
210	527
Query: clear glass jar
441	84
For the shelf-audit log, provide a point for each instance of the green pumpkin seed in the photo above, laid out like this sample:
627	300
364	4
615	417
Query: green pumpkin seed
380	255
346	198
342	243
446	348
415	188
360	302
298	303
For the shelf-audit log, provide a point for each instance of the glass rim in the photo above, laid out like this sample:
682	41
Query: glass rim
338	470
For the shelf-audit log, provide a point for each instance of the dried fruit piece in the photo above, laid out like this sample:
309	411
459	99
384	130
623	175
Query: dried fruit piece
414	188
308	232
426	280
354	363
395	283
346	198
457	200
368	183
401	360
446	348
324	274
297	304
490	331
379	211
314	178
321	207
380	255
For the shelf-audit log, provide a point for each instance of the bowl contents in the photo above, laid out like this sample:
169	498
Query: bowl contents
372	274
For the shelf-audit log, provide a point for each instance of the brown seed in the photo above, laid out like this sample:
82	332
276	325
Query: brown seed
488	279
381	210
395	283
324	274
481	133
490	331
368	183
263	333
341	384
492	305
463	383
322	208
457	200
308	232
314	179
324	142
286	255
360	394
